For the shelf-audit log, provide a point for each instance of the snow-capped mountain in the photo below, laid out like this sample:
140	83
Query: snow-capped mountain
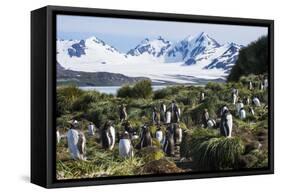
197	56
155	47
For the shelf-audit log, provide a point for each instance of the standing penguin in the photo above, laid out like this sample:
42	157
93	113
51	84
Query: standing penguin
108	136
256	101
163	112
251	110
265	82
234	98
211	123
202	96
175	112
242	113
223	109
159	135
226	124
205	118
246	100
146	139
58	136
130	130
76	142
177	134
239	105
155	116
169	145
168	117
91	129
250	85
123	113
125	146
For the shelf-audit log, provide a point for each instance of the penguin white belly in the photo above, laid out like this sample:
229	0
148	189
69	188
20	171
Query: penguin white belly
257	102
125	148
112	131
242	114
168	117
72	140
91	130
58	137
180	135
239	106
234	98
159	136
229	124
210	123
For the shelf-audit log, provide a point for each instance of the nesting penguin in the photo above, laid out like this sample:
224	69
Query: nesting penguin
205	118
91	129
76	142
226	124
242	113
239	105
169	145
125	146
211	123
108	136
123	113
256	101
146	139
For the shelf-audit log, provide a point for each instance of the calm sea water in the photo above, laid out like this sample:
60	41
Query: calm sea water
112	89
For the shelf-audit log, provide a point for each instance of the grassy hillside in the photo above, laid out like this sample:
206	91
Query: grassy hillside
201	149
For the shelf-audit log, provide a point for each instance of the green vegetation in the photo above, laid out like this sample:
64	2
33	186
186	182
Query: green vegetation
253	59
205	148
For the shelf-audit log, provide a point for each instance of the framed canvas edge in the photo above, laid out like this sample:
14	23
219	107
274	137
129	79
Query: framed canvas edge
51	90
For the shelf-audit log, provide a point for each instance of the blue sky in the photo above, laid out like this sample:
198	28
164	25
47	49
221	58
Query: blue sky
125	34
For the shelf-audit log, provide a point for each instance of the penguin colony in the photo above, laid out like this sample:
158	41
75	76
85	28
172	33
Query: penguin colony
166	119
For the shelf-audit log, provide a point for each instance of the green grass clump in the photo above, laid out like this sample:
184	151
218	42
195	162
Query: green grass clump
216	152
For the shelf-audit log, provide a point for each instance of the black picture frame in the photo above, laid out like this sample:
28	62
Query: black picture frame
43	94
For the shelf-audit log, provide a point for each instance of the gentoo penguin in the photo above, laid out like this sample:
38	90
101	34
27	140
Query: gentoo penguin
177	134
239	105
256	101
242	113
251	110
169	145
223	109
131	131
202	96
250	85
76	142
211	123
91	129
108	136
159	135
205	118
235	91
146	139
168	117
58	136
175	112
234	98
246	100
265	83
155	116
226	124
123	113
125	146
261	86
163	112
